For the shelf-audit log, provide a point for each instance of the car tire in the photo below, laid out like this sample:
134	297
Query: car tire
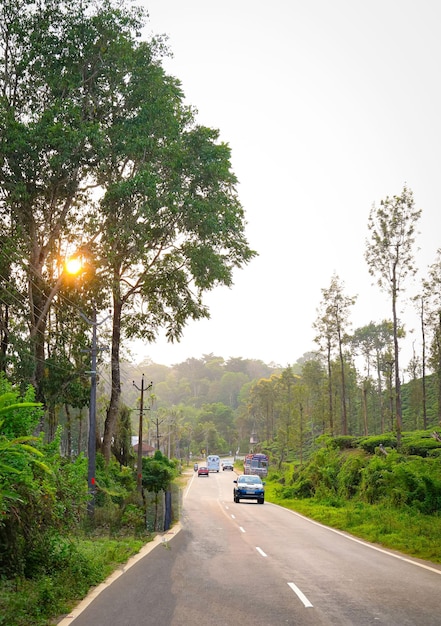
261	500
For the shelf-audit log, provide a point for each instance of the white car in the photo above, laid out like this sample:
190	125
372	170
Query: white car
227	465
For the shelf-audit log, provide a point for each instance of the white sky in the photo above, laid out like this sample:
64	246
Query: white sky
328	107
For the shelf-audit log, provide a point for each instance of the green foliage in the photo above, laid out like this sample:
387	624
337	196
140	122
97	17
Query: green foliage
401	481
52	502
41	494
420	443
350	474
318	477
78	565
370	444
114	481
343	442
158	472
19	413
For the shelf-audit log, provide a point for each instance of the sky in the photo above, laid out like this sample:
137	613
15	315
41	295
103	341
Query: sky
328	108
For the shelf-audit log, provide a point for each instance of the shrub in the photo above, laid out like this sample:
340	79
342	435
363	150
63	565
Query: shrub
344	442
369	444
374	480
420	443
350	475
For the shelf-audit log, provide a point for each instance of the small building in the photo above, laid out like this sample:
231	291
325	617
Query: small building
147	449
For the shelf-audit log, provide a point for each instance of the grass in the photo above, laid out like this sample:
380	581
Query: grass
34	602
405	530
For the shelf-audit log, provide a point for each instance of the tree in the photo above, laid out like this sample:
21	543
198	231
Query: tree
390	256
420	304
101	156
314	378
261	408
332	324
372	342
284	388
157	474
55	65
431	318
173	225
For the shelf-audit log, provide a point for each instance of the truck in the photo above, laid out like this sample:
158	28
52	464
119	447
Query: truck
213	463
256	463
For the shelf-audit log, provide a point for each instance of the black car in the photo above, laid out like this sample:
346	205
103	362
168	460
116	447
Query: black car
249	487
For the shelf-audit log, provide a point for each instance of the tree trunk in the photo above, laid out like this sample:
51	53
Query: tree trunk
52	423
331	418
115	394
4	337
68	431
37	335
365	418
438	369
423	373
80	433
380	393
344	424
398	417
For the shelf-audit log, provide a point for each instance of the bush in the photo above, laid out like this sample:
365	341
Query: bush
374	479
350	475
421	444
370	444
344	442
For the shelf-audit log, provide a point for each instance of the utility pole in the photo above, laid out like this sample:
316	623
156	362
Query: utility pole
141	414
157	423
91	467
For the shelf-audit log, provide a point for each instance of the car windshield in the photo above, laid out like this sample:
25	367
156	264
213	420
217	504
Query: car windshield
250	480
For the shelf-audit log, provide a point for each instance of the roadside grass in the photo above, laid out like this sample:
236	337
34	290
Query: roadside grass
34	602
405	530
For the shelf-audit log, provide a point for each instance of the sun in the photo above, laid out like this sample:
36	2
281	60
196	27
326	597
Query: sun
73	265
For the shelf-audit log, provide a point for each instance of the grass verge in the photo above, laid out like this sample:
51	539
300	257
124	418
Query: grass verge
34	602
406	530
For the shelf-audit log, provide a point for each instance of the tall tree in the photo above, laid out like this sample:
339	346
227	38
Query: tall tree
332	324
173	226
286	406
420	304
431	319
57	59
100	152
372	342
390	257
261	407
314	379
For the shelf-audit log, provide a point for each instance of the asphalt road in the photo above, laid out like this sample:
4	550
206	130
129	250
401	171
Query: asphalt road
228	564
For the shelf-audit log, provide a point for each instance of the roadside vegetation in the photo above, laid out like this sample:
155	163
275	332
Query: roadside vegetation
376	493
52	551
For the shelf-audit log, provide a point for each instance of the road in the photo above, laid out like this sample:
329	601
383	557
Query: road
246	563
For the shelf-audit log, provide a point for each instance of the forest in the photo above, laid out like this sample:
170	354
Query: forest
213	404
